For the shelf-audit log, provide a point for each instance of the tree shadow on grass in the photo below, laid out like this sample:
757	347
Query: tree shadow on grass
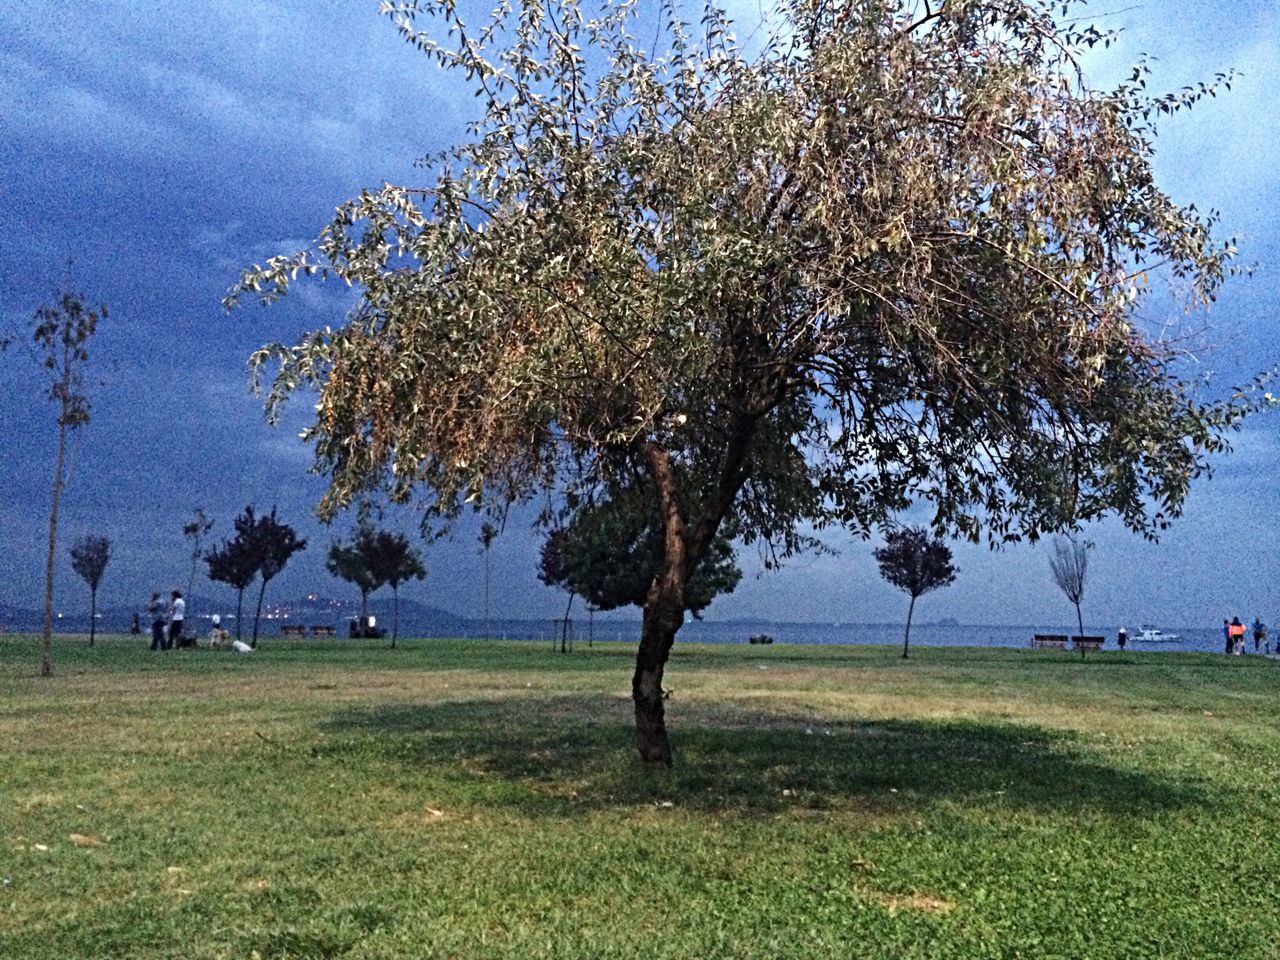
568	753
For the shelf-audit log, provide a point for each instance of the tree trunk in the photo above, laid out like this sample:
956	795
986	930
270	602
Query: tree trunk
1079	626
656	637
906	637
258	615
395	614
663	616
46	645
486	592
239	607
93	613
564	624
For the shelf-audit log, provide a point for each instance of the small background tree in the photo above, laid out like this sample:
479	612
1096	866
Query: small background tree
61	335
488	533
553	571
610	552
1070	567
916	563
352	561
393	562
195	530
89	558
272	542
234	564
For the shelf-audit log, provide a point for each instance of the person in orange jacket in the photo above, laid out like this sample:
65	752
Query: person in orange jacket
1237	636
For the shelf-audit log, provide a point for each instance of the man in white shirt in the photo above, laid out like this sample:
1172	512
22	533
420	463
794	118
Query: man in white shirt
177	613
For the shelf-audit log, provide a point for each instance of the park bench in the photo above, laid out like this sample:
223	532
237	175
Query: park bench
1049	641
321	630
293	630
1087	643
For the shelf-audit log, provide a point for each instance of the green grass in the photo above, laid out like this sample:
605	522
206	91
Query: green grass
465	799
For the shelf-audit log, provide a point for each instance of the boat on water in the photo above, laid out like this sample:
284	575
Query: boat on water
1150	634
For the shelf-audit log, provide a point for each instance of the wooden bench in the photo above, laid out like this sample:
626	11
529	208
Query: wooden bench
320	630
1087	643
293	630
1049	641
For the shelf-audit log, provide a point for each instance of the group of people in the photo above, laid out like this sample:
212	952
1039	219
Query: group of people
169	619
1233	634
174	612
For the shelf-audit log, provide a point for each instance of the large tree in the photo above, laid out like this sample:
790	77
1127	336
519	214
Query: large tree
89	558
896	256
915	562
61	333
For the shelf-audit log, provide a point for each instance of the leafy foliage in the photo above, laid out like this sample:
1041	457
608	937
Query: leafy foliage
611	551
898	256
89	558
915	562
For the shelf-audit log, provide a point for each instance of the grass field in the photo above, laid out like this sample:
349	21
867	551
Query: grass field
466	799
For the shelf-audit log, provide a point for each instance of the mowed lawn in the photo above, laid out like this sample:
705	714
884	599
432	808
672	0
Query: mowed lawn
466	800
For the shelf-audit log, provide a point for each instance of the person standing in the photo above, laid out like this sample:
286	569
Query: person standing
177	613
1260	636
1237	636
1226	636
155	610
1121	637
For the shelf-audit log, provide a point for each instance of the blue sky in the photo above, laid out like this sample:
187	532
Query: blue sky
165	145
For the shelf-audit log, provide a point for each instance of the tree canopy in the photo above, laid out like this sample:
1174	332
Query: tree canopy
897	256
89	558
352	561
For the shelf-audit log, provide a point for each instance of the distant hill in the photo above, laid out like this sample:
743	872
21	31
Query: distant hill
416	619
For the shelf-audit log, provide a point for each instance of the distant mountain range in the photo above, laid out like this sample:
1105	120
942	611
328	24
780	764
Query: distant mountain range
416	619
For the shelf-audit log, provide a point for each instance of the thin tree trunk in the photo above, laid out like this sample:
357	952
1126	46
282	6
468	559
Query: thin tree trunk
564	625
239	607
1080	627
93	613
906	637
46	645
258	615
395	615
487	629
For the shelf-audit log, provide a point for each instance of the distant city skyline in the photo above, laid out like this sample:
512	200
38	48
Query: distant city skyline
164	153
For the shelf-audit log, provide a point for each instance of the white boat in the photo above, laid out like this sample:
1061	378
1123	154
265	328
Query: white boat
1150	634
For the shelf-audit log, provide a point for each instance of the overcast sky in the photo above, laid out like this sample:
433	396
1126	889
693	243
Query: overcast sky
165	145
